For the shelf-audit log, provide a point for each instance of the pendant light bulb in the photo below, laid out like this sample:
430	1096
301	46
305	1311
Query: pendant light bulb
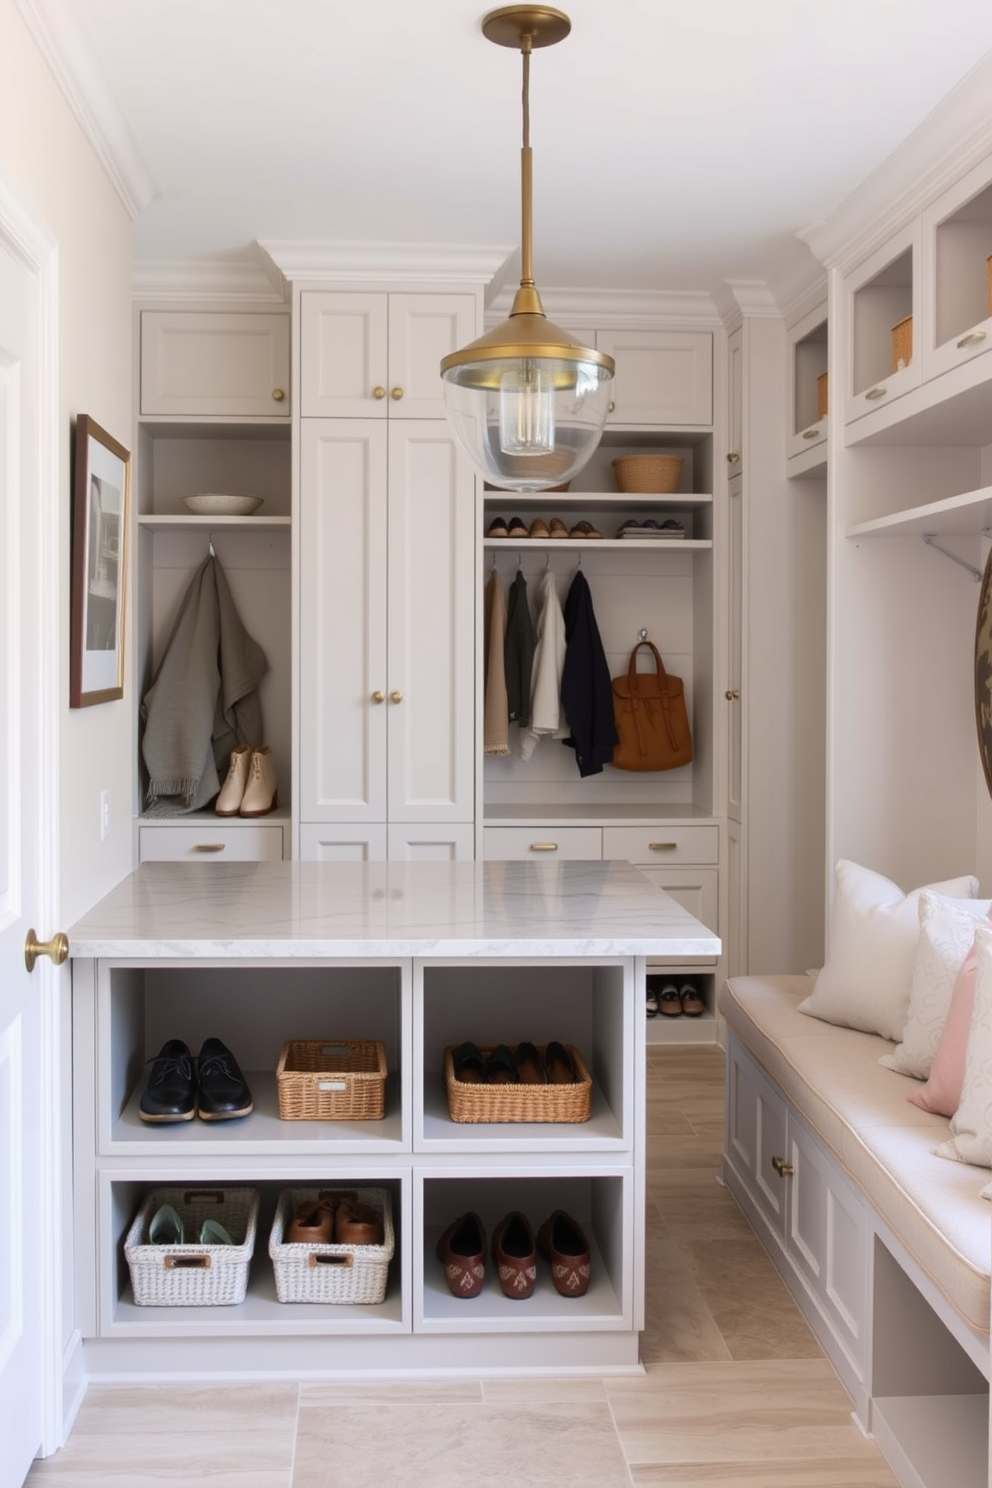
526	402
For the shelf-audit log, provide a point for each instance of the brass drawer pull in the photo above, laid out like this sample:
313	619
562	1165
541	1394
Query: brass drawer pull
875	392
662	846
972	338
811	433
782	1168
210	847
544	847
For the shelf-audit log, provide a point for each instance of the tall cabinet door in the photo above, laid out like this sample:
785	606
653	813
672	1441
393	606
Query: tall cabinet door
431	637
343	675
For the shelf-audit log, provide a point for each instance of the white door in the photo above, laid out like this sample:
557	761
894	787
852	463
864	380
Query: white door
29	1301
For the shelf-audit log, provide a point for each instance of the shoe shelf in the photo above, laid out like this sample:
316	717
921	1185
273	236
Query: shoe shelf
600	1200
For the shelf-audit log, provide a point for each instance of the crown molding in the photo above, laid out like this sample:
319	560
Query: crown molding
624	309
205	279
807	300
956	135
85	91
427	263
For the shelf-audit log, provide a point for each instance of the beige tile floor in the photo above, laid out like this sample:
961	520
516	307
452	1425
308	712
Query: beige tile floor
735	1391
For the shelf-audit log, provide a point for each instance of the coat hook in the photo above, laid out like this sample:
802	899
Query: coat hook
643	633
210	549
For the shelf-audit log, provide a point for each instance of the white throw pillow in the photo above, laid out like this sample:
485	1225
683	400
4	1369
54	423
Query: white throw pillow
866	978
971	1125
947	933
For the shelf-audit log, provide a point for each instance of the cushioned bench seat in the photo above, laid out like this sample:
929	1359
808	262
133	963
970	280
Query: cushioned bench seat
832	1077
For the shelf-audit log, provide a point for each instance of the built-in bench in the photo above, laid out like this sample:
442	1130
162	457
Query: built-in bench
886	1247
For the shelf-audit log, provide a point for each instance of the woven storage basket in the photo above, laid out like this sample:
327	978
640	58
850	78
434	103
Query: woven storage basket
650	474
332	1080
193	1275
518	1102
821	396
331	1273
902	343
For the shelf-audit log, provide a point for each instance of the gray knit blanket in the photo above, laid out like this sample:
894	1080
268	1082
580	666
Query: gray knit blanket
204	699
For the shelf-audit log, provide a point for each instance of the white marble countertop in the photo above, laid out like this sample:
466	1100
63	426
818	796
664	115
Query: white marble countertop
298	910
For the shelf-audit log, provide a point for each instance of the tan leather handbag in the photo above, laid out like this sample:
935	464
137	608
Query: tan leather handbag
651	720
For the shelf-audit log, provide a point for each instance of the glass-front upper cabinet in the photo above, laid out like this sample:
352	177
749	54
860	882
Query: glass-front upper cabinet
882	315
809	394
957	273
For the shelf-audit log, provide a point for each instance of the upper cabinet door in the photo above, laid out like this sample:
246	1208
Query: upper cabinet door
344	356
214	366
663	378
423	328
882	305
957	274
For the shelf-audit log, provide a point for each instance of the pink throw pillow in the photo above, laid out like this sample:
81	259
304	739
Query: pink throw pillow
942	1092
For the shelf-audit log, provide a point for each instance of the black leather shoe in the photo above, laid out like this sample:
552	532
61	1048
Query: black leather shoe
170	1094
224	1091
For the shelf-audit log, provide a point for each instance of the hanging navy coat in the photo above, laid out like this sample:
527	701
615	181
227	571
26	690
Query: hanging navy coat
586	691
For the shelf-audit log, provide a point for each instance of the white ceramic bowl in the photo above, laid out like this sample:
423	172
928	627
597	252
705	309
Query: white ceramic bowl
215	504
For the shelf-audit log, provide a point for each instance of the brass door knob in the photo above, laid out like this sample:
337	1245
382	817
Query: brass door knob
57	948
278	395
396	394
782	1168
395	697
378	393
378	697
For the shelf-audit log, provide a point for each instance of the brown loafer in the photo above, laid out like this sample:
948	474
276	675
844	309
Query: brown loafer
539	528
515	1255
357	1224
584	530
561	1241
312	1224
530	1065
516	528
462	1248
559	1065
557	528
692	1004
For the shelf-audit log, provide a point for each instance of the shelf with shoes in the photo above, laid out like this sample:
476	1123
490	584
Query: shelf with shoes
583	1006
599	1201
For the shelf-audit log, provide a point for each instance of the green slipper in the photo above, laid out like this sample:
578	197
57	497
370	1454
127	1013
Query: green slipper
166	1227
212	1232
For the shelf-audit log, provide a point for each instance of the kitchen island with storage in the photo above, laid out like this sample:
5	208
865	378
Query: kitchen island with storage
419	958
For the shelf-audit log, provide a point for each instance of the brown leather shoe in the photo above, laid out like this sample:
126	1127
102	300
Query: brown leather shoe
357	1224
462	1248
312	1224
515	1255
561	1241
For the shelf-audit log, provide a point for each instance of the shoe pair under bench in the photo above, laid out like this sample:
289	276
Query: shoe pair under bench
215	1089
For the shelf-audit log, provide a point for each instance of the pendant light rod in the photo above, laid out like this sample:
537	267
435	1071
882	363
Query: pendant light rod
526	177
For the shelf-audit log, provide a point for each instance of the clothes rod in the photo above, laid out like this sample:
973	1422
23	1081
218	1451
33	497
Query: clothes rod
930	538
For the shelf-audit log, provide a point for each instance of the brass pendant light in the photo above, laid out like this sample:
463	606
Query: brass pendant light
526	402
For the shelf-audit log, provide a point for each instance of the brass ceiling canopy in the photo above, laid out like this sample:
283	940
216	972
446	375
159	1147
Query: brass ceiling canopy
526	400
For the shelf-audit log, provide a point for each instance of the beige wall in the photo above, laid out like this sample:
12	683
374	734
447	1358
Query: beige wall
47	163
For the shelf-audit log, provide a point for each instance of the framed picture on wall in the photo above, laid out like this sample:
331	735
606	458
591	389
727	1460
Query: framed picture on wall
100	502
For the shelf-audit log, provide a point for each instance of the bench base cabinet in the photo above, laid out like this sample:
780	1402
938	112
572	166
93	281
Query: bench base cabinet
915	1386
434	1168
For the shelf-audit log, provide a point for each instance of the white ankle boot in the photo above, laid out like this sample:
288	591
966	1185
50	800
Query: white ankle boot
233	789
260	795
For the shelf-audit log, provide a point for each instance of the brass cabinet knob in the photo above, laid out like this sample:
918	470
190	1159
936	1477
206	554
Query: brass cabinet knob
395	697
56	949
378	697
782	1168
732	693
396	394
378	393
611	407
734	458
278	395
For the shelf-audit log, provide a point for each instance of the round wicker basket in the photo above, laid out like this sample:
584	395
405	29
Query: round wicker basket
648	474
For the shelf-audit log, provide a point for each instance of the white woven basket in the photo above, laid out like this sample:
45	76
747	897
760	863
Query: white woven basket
331	1273
193	1275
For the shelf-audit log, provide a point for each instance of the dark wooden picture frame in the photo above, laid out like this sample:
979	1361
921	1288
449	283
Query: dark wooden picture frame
101	492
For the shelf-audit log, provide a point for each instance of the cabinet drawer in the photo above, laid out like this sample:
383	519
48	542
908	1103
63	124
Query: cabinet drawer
662	845
209	843
214	366
542	842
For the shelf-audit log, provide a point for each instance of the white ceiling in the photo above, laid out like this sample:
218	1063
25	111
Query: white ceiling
676	144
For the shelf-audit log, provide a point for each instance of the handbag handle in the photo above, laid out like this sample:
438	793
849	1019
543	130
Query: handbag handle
659	665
